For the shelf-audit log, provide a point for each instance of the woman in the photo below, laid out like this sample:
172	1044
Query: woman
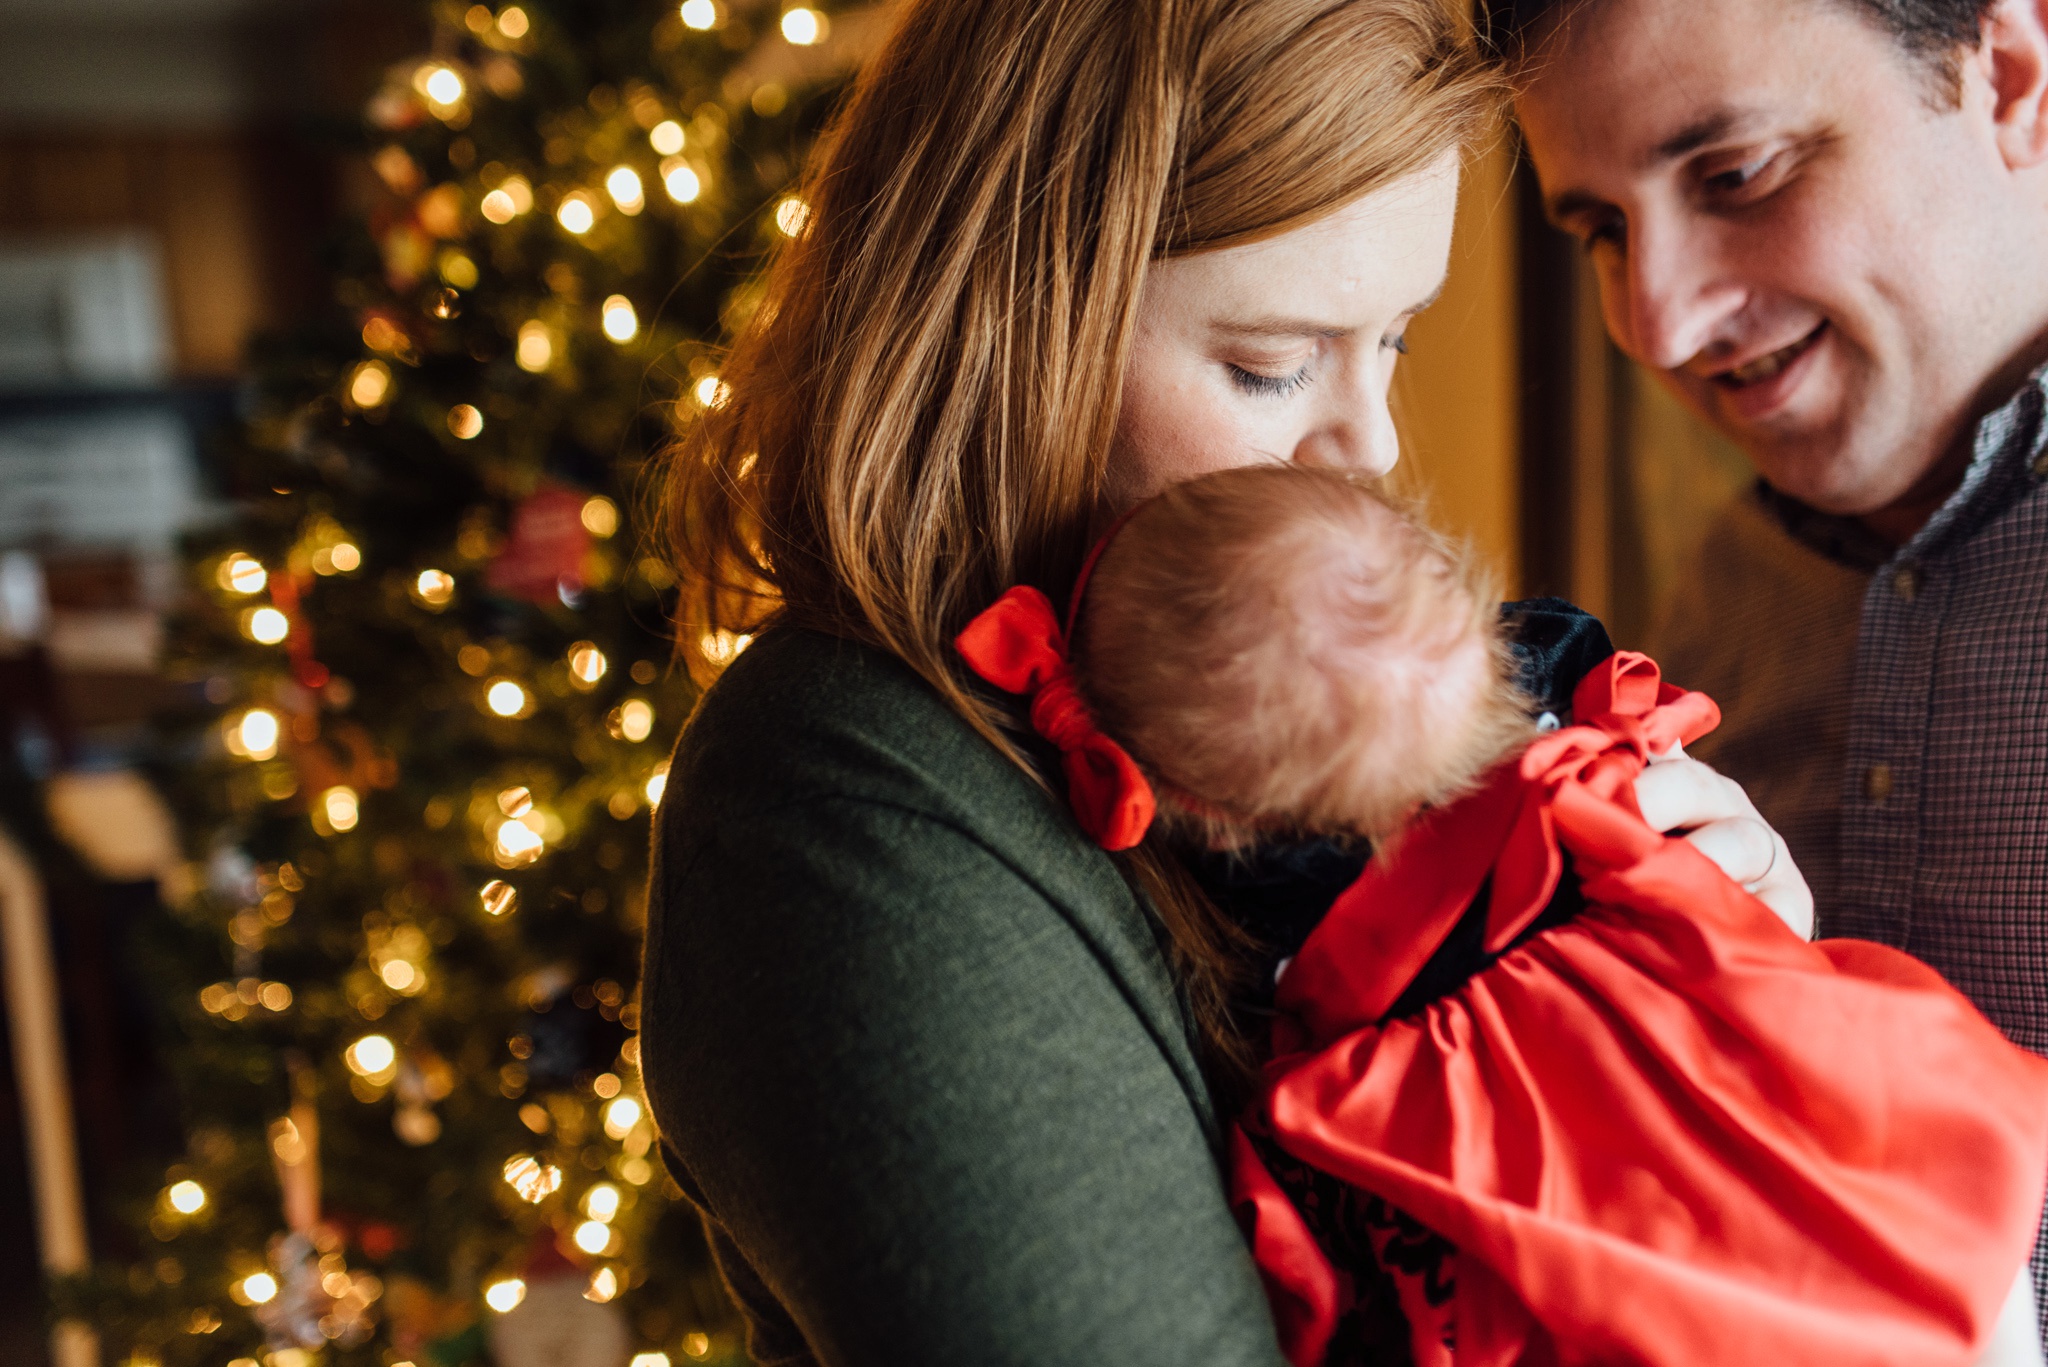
938	1071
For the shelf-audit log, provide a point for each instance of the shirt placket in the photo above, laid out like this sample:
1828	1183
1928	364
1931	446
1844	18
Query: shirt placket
1888	735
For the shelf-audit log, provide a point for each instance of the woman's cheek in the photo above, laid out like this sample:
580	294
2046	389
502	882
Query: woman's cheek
1173	432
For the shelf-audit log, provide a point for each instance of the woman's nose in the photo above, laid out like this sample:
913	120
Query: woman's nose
1359	438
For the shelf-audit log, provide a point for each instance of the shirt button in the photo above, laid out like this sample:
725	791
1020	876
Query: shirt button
1906	583
1877	782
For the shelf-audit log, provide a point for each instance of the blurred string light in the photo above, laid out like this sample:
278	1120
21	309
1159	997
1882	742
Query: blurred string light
624	186
258	1288
791	216
600	516
434	588
499	898
621	323
442	87
604	1286
534	1180
374	1058
266	626
601	1202
666	137
620	1116
683	184
587	664
536	347
711	392
633	720
517	842
576	213
505	698
188	1197
513	23
342	807
504	1296
723	647
254	734
465	421
657	786
370	385
803	26
594	1237
512	197
343	557
241	573
700	14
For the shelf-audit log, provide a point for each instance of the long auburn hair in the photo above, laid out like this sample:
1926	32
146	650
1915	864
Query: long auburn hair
919	411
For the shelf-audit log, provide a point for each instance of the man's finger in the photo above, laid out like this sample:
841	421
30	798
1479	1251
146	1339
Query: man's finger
1743	846
1682	794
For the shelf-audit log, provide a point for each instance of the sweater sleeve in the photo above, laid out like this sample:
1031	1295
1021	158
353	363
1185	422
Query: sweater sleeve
916	1102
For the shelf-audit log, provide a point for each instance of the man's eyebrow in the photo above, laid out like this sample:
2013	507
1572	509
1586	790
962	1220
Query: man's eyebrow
1307	327
1703	131
1560	209
1709	127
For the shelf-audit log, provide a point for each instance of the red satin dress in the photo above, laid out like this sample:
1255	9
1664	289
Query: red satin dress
1666	1131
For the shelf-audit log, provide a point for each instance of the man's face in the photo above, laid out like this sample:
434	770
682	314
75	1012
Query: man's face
1794	223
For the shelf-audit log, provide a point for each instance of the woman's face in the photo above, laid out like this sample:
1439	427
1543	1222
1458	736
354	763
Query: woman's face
1282	350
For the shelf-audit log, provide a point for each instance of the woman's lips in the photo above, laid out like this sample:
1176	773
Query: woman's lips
1757	387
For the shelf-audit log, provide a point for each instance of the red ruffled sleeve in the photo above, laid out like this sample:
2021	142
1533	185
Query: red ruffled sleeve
1668	1131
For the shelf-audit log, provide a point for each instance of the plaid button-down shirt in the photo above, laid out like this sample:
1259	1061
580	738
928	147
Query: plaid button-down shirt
1905	761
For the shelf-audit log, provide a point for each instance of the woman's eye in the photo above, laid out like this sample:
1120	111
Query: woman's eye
1269	386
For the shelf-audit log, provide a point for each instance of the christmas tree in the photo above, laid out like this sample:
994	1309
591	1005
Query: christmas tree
402	978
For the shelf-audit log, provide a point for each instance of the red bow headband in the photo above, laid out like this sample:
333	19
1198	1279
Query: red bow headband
1019	646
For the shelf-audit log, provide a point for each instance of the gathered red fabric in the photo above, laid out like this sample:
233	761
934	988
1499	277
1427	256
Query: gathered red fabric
1667	1131
1018	646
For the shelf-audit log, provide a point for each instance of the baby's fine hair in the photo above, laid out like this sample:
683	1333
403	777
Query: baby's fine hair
1271	644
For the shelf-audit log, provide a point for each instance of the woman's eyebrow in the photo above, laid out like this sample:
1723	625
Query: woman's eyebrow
1279	326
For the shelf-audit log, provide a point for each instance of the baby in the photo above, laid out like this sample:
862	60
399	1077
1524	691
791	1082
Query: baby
1644	1122
1281	648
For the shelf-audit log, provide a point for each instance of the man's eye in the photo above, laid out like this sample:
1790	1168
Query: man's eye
1737	178
1610	233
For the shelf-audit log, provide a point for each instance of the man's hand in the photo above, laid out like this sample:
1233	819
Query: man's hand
1678	793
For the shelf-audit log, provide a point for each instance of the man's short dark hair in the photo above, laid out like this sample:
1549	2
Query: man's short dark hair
1929	29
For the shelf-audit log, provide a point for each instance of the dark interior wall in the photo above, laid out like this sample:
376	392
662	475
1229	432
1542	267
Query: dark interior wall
226	155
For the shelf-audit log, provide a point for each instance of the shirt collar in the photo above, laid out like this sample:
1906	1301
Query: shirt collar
2006	459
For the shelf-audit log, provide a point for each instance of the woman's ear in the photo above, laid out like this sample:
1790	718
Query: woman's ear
2011	59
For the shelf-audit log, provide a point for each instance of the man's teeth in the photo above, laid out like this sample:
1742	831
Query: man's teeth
1764	367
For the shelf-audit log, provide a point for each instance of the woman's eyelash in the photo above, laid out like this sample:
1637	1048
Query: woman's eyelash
1269	386
1397	344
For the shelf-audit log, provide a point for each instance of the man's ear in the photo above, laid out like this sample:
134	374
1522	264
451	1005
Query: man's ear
2011	62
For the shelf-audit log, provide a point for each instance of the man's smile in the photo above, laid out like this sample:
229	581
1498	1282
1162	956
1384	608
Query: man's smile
1769	366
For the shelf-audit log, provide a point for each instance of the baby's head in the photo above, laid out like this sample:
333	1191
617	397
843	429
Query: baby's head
1280	646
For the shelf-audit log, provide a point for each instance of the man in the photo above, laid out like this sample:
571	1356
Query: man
1824	224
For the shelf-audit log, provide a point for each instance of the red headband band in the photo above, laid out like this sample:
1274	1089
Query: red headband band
1018	645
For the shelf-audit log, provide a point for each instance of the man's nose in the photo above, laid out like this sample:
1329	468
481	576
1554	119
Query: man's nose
1670	296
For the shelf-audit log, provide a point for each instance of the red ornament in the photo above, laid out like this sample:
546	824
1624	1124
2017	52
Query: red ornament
543	557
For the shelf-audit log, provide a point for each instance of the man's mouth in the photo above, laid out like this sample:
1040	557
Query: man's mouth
1769	367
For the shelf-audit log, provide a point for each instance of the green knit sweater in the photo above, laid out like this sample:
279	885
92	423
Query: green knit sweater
914	1048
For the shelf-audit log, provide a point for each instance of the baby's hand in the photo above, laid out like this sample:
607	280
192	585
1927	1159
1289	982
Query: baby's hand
1678	793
